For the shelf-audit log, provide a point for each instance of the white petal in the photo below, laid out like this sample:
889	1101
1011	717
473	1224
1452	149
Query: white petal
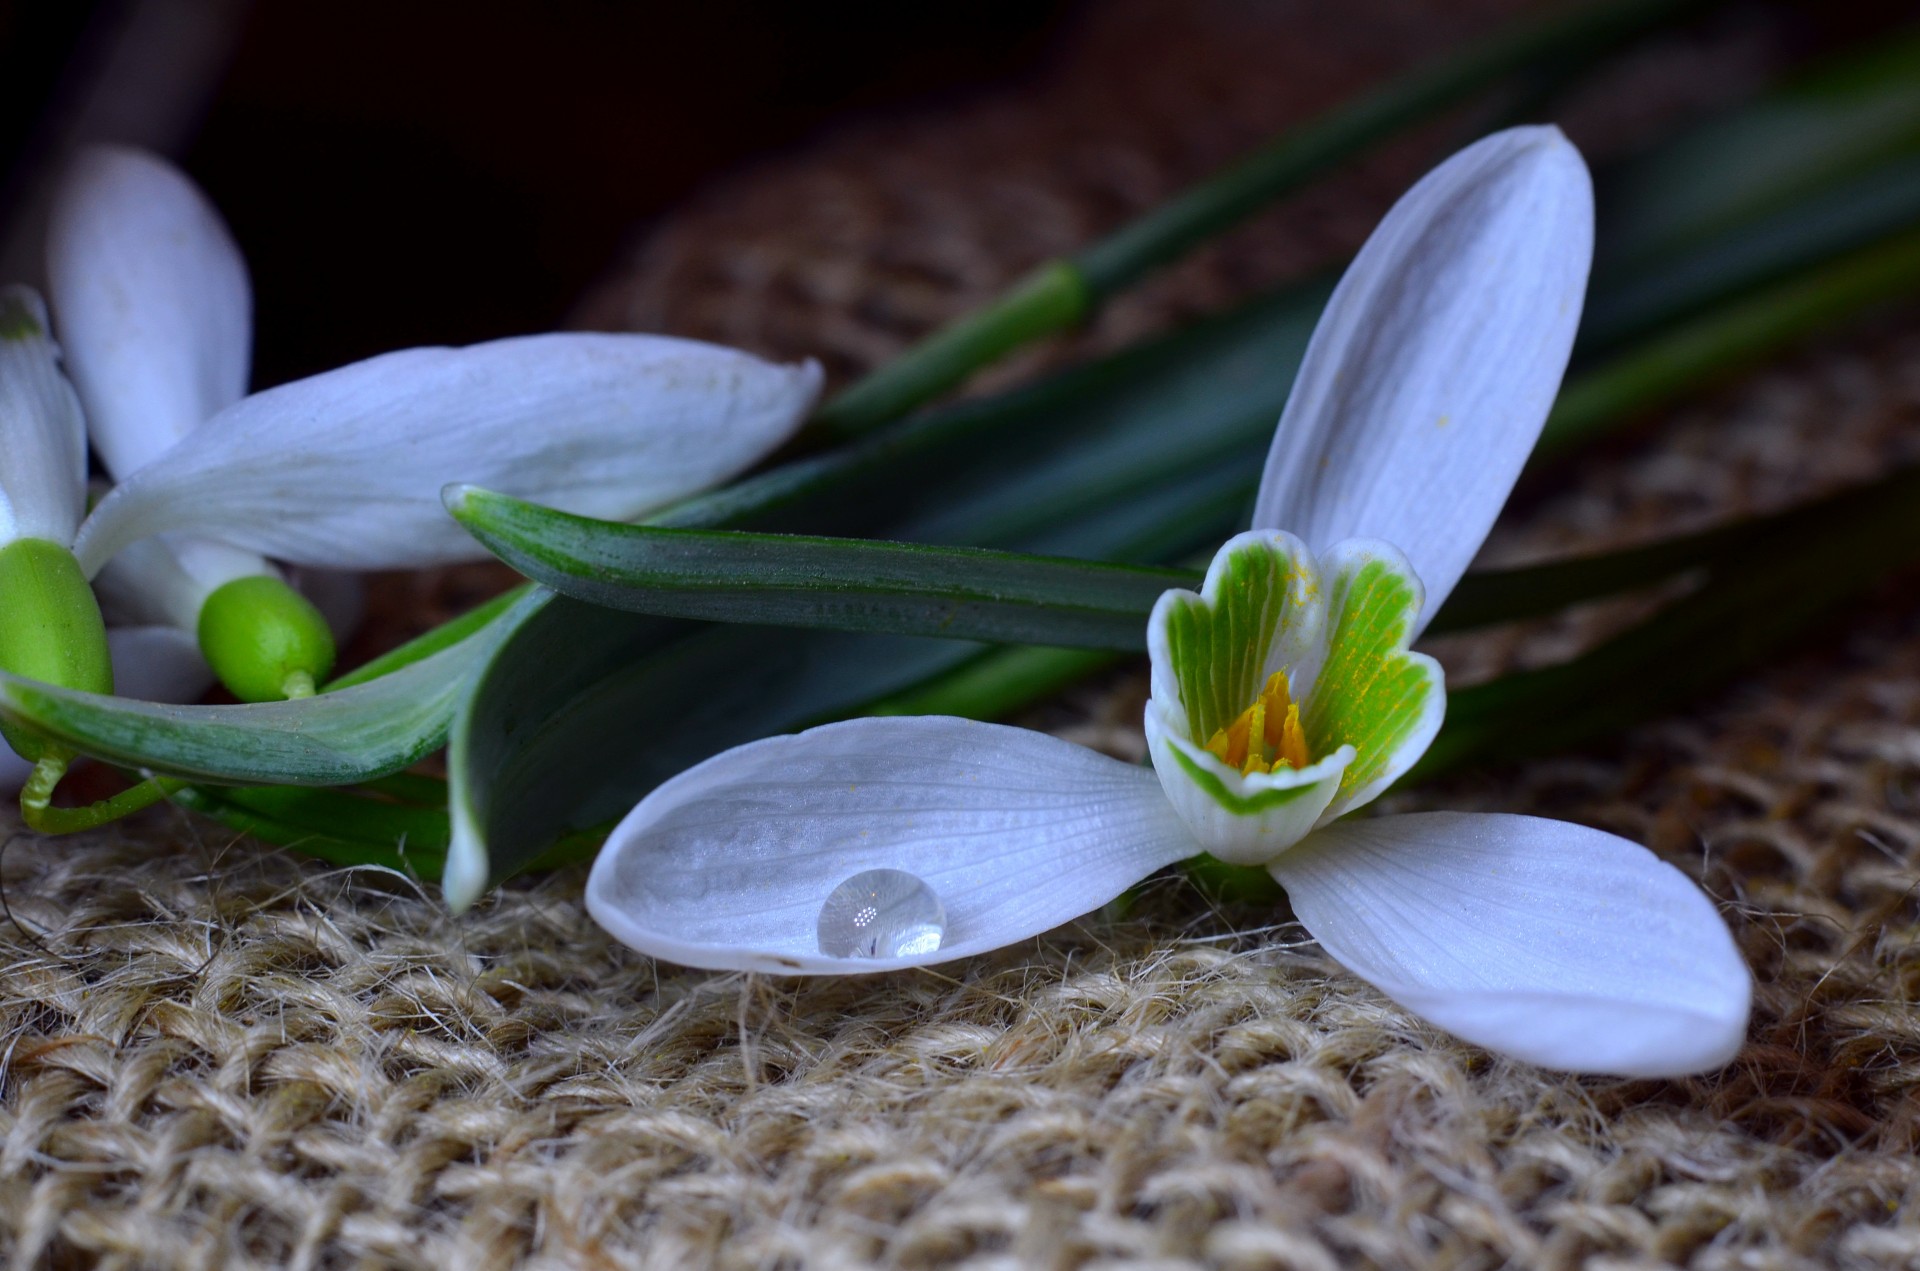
727	865
168	579
1551	942
1438	358
153	302
43	444
344	470
157	664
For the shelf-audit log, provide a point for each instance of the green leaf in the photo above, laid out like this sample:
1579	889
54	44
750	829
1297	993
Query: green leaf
1627	303
335	825
1778	582
444	636
1727	339
336	738
1854	113
995	683
838	584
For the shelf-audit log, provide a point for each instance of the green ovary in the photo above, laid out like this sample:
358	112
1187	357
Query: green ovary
265	640
50	628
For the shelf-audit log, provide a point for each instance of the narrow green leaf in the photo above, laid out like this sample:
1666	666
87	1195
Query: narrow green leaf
1030	467
309	827
837	584
1727	339
1773	586
444	636
1859	110
1625	304
995	683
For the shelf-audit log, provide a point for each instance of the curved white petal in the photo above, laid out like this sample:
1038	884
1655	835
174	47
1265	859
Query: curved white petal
43	443
727	865
344	469
1551	942
157	664
1436	362
154	306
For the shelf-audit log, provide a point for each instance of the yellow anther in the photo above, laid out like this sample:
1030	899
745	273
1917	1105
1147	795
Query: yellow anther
1266	735
1291	744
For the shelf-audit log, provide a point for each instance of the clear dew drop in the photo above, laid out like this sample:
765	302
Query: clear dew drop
881	913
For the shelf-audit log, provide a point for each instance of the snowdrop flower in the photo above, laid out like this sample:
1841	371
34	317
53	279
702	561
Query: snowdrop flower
1284	697
50	625
342	470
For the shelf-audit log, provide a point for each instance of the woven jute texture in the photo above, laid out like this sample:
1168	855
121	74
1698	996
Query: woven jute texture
217	1054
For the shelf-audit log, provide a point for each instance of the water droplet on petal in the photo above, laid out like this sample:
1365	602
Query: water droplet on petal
881	913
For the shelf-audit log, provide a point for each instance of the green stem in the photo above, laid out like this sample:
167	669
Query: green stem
36	796
1176	227
1061	293
36	799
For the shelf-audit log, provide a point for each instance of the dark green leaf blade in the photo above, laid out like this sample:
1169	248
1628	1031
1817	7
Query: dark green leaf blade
1775	583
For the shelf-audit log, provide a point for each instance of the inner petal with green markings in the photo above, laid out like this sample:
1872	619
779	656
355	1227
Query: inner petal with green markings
1284	694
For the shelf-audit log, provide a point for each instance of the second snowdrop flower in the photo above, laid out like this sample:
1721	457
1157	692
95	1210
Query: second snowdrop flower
343	470
1284	697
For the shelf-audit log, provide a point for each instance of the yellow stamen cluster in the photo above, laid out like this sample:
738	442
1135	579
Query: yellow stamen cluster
1267	735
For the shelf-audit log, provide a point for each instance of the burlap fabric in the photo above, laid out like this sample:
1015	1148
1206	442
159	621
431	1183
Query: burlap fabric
217	1054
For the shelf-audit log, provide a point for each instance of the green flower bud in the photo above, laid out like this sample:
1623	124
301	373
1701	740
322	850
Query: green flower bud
265	640
50	628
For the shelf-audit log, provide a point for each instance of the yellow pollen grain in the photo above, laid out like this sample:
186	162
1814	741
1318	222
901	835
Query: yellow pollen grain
1267	735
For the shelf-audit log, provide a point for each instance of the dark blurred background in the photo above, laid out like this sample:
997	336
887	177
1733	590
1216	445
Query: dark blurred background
412	173
428	173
